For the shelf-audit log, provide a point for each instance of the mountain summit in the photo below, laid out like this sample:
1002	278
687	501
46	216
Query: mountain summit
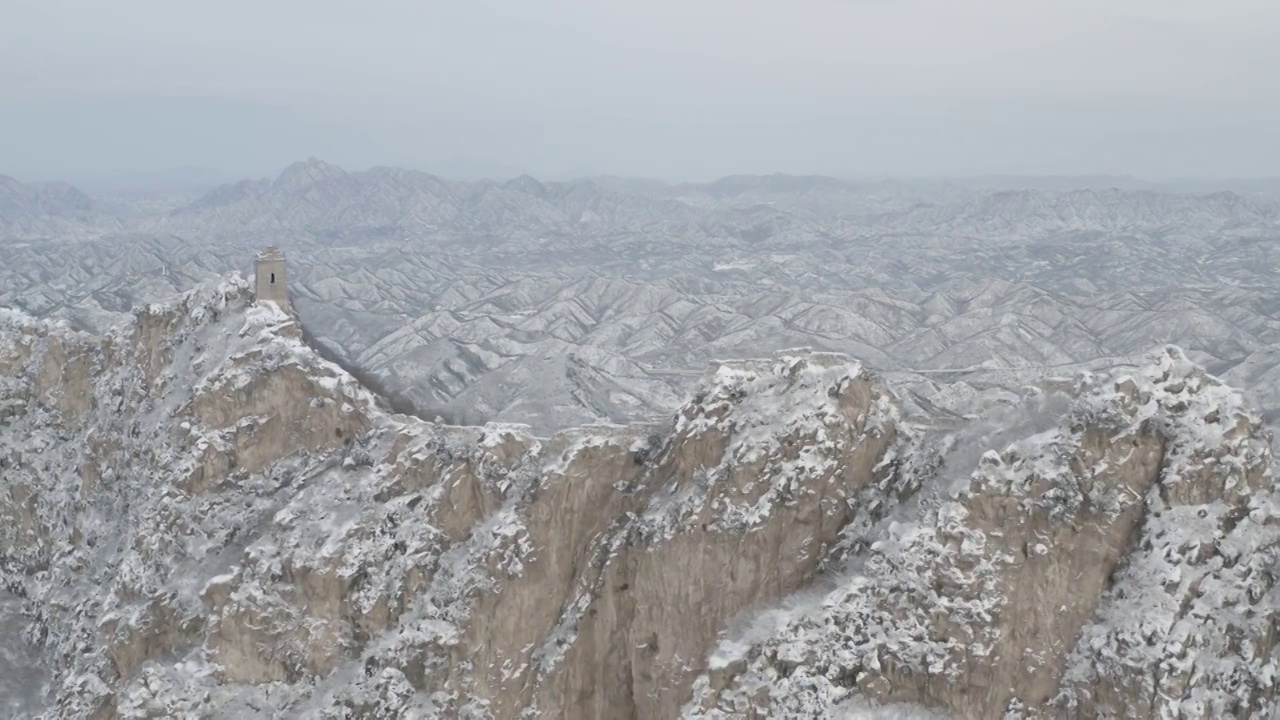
308	172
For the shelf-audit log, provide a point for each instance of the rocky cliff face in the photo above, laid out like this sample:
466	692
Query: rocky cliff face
1120	565
200	517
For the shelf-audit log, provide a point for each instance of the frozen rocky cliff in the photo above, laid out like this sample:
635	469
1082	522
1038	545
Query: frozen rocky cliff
201	517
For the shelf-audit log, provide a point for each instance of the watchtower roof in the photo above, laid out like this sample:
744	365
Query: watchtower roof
270	254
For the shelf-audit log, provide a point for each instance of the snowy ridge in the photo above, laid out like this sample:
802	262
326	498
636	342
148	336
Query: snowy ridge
1198	603
450	294
138	450
201	517
1163	475
784	419
242	508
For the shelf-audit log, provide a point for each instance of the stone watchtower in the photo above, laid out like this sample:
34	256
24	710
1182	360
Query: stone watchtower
268	270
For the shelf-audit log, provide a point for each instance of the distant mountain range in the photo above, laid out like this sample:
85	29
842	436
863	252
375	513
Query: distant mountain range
316	197
558	303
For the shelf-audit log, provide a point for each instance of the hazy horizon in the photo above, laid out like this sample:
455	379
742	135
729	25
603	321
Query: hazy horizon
202	178
665	90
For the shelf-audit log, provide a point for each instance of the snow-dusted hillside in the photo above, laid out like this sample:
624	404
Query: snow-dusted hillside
556	304
200	517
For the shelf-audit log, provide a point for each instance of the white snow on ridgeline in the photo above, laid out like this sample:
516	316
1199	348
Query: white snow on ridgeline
1192	607
210	295
765	395
16	317
783	422
131	535
268	339
1199	599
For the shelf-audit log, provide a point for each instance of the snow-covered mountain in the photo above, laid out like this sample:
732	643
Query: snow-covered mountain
559	303
35	210
202	517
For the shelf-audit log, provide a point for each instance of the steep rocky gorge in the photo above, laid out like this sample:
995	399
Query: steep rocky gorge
202	517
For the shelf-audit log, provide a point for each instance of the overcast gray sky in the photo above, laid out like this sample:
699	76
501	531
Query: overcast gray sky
661	88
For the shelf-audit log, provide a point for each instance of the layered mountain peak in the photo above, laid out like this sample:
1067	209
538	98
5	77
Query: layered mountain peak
308	172
202	517
41	209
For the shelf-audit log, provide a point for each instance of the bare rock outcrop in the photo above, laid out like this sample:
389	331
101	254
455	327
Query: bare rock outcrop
742	503
1120	565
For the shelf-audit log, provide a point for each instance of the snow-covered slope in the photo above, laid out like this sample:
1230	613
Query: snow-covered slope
601	298
1122	564
200	517
44	210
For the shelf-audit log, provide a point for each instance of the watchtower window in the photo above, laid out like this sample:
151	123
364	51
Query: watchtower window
273	278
